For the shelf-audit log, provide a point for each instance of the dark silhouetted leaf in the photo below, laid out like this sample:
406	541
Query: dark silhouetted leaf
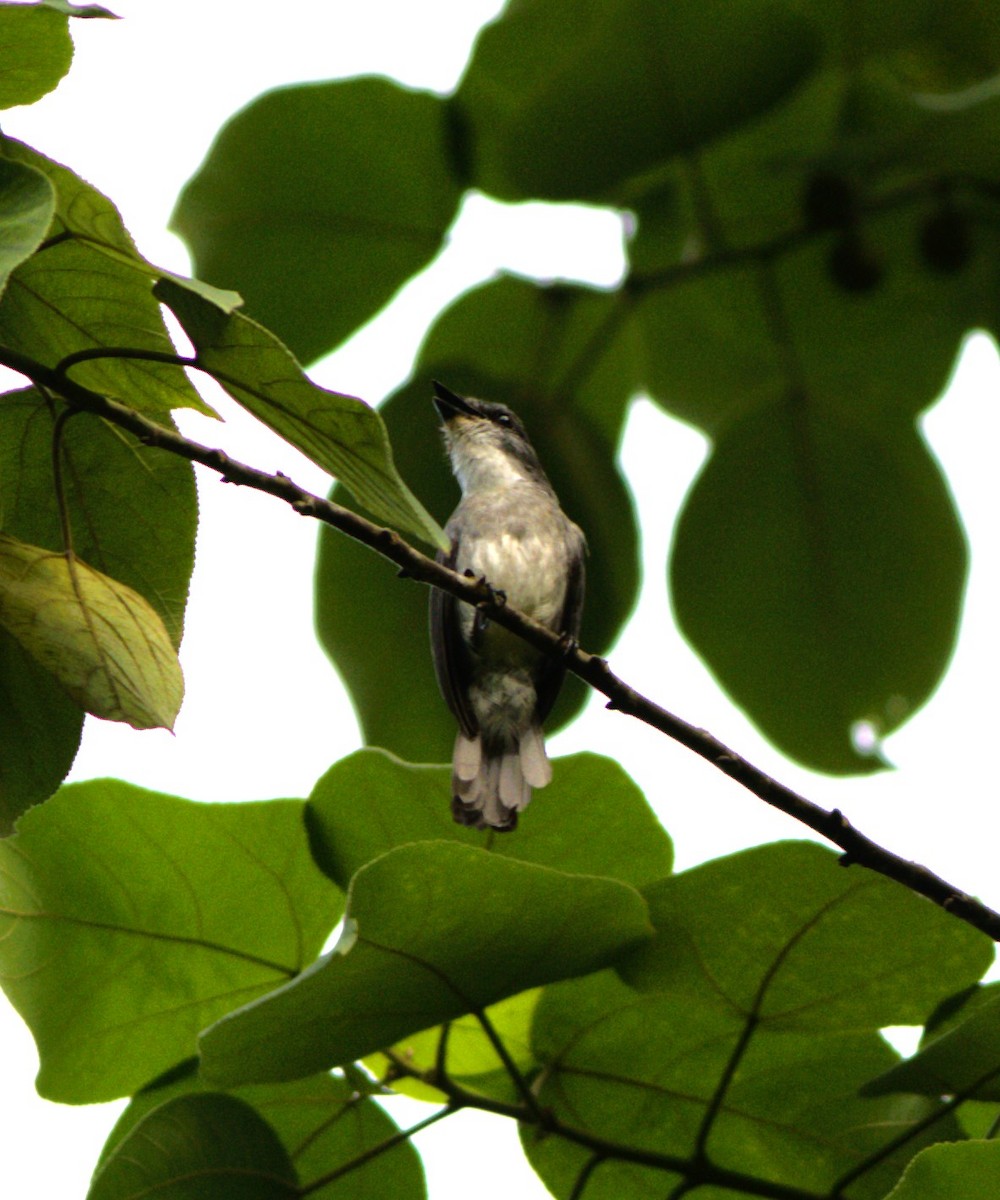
819	567
569	101
318	201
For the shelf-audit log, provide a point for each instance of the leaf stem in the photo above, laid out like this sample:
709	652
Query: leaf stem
362	1160
512	1069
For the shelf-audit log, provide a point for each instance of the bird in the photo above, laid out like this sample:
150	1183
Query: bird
510	530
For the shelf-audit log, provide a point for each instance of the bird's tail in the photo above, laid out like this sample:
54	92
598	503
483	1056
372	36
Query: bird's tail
491	784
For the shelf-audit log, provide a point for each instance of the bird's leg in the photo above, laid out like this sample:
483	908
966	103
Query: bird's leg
494	596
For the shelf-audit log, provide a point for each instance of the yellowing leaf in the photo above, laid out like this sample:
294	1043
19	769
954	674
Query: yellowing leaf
101	640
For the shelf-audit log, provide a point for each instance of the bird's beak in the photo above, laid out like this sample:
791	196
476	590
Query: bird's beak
449	404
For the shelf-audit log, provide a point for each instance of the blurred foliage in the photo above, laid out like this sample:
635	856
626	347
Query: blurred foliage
811	196
812	193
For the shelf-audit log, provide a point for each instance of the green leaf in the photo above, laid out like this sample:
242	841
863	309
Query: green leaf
40	729
339	433
967	1169
784	932
552	354
132	510
471	1058
655	1070
963	1059
27	203
102	641
405	803
130	919
323	1125
88	288
760	982
35	52
318	201
195	1147
819	567
433	931
81	11
565	100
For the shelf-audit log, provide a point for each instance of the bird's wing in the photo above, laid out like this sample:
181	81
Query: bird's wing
551	671
451	655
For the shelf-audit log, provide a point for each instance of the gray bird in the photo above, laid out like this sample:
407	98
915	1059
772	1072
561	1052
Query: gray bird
510	530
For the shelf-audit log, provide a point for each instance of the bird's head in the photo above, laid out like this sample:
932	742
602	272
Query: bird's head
486	442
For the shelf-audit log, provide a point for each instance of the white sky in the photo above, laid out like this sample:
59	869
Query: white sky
264	713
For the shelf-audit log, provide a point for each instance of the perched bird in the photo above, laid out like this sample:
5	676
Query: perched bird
510	530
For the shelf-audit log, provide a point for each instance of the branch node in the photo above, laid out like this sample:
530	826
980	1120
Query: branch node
305	506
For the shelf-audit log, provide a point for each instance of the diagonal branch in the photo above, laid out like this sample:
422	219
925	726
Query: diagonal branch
832	825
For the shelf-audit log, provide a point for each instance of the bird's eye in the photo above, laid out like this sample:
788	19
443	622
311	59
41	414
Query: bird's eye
504	420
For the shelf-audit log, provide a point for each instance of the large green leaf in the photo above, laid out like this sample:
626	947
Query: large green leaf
819	566
433	930
27	203
813	310
567	100
970	1170
524	345
195	1147
318	201
371	802
339	433
132	512
88	288
323	1125
750	1026
131	919
40	729
784	932
102	641
647	1069
35	52
963	1058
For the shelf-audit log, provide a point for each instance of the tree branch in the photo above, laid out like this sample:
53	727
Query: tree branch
594	671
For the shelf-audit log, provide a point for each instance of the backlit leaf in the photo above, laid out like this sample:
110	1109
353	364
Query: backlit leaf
433	930
103	642
131	919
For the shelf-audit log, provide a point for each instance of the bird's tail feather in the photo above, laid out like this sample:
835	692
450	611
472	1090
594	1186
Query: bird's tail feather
491	787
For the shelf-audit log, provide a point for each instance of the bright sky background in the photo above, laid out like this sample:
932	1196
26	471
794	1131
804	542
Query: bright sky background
264	714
